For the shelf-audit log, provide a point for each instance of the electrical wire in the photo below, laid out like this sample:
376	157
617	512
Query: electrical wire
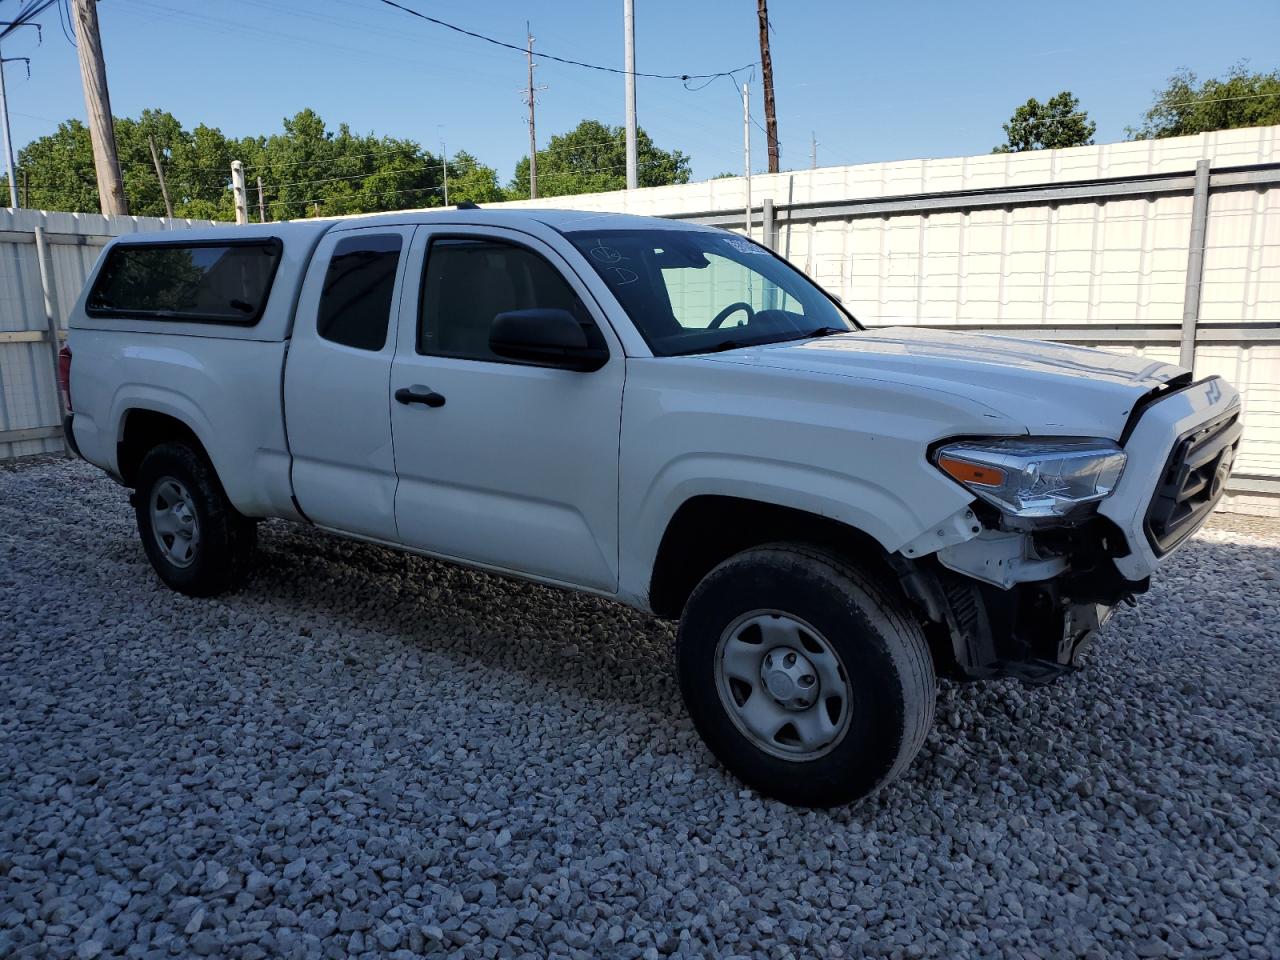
66	22
566	60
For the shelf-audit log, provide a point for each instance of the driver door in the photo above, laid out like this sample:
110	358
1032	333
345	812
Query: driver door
515	466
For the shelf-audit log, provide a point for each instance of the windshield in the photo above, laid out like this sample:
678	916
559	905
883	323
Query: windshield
696	291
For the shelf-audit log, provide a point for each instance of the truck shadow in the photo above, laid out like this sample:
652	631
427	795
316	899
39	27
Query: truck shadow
544	632
1196	644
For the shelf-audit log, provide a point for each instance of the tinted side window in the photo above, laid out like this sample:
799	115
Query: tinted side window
469	282
200	281
355	303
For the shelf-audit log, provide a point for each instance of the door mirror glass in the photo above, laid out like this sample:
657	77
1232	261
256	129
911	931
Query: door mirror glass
548	337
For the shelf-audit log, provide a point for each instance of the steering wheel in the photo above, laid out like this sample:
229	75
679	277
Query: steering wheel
724	314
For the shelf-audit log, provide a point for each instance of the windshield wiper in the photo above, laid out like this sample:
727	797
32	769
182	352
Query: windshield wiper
826	331
727	345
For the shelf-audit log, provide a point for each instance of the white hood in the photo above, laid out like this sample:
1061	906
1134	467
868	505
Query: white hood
1048	388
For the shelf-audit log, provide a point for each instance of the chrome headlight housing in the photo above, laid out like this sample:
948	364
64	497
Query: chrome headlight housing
1035	478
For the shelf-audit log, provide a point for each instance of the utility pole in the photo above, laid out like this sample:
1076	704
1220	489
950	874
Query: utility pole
262	206
444	157
629	35
164	190
8	143
766	74
93	74
237	190
813	150
746	149
533	137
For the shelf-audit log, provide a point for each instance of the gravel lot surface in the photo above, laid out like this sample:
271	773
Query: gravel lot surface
366	753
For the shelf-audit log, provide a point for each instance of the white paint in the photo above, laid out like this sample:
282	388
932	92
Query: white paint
572	477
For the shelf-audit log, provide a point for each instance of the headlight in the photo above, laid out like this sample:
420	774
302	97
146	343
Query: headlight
1034	477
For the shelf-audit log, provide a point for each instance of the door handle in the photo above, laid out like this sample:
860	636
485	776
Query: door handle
420	394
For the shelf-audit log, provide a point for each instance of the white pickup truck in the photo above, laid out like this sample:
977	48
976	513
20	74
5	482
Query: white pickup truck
665	414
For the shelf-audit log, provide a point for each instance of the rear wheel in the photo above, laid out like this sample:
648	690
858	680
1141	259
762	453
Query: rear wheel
807	678
196	540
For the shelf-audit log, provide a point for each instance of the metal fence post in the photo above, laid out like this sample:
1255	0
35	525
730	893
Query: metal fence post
767	225
50	314
1195	265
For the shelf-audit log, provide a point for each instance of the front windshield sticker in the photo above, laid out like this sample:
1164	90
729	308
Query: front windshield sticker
745	246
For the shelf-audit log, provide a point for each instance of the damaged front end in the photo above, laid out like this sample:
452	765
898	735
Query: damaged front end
1022	604
1017	584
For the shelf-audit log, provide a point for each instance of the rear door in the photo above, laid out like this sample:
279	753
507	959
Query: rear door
336	377
513	466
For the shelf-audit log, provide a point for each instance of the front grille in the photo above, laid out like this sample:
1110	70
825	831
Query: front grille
1192	481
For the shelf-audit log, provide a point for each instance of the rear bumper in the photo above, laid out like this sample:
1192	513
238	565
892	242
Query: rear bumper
1180	455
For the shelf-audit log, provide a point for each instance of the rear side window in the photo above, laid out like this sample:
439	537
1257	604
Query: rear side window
355	304
201	281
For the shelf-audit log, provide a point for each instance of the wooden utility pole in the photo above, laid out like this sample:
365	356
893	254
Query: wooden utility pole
93	74
164	189
533	137
262	206
813	150
766	74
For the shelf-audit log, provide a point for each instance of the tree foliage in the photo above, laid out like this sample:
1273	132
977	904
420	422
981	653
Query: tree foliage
1185	106
592	158
309	169
1048	126
306	169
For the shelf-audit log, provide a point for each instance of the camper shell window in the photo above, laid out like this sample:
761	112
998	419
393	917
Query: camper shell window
202	281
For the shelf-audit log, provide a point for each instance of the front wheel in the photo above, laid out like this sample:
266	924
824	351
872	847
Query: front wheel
196	540
807	679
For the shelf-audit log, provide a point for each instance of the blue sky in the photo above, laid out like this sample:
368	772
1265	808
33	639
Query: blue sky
875	81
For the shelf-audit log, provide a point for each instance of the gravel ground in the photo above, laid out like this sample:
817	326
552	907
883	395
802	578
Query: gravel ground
365	753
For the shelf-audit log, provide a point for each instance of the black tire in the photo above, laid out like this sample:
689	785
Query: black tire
883	652
226	538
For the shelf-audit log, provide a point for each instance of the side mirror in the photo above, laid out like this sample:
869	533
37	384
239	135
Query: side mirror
547	337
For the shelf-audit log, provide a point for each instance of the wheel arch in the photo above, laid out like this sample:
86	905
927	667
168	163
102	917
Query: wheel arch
707	529
144	428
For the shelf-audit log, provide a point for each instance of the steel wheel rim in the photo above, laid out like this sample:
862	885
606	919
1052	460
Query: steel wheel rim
767	700
173	522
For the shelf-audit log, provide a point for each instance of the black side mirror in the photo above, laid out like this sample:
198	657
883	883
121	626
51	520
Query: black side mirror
548	337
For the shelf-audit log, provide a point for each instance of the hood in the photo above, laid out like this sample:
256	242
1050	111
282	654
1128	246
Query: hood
1048	388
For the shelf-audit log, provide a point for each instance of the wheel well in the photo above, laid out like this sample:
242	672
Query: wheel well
144	430
708	530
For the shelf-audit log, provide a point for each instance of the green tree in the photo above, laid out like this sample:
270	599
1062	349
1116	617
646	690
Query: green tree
1048	126
58	171
471	180
1186	106
306	168
592	157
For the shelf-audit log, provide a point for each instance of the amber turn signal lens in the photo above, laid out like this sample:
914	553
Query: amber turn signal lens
967	472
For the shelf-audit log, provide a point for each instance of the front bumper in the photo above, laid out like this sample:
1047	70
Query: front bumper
1180	449
1027	604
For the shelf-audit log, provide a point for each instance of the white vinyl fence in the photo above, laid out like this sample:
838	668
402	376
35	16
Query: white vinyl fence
1167	248
44	259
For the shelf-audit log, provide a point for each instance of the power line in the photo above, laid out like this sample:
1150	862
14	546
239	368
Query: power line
66	23
566	60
